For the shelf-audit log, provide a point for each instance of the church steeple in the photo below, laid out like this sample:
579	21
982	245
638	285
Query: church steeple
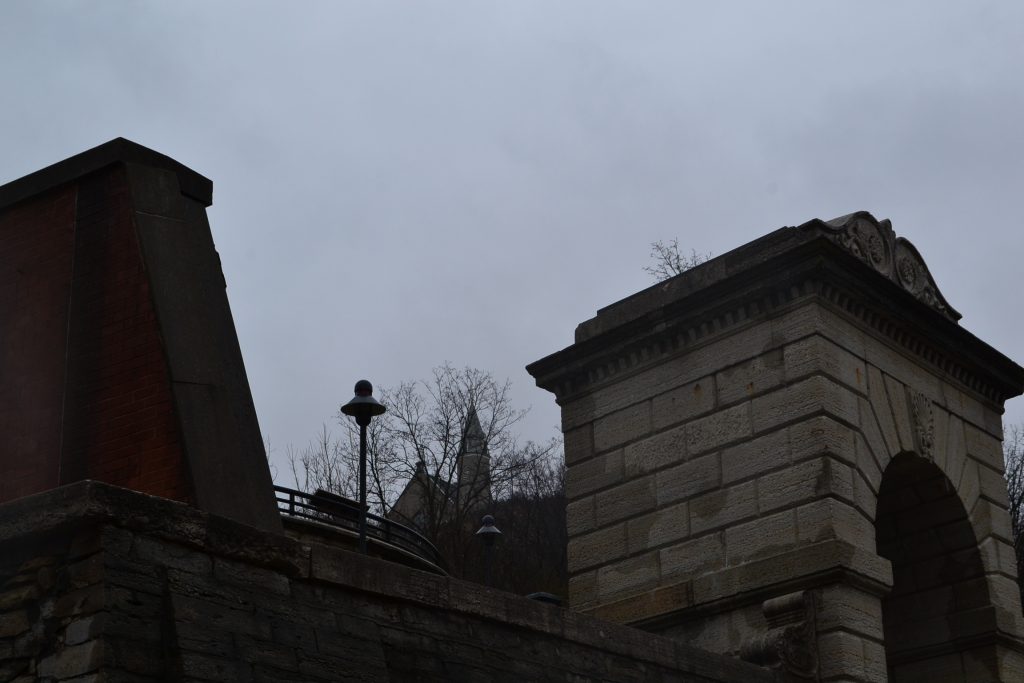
474	462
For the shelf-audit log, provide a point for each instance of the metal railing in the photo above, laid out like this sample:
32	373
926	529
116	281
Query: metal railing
342	513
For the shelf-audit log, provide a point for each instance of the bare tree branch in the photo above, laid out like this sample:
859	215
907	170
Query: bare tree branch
669	261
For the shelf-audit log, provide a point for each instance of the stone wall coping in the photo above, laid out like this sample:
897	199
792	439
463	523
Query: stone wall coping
118	150
90	503
790	266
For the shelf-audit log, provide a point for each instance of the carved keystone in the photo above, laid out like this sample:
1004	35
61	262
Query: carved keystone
924	423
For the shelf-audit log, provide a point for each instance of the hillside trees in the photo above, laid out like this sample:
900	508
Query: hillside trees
418	472
1013	455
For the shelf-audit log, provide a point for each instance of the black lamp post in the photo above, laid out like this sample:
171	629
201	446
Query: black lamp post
488	533
363	407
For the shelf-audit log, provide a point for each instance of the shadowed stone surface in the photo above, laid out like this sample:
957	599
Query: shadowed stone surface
100	583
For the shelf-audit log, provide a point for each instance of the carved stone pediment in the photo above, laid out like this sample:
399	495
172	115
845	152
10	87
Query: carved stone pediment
875	243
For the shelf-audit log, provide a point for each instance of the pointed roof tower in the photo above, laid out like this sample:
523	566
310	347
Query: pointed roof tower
474	440
474	462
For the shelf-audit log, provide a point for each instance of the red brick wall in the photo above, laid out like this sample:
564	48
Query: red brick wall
118	424
36	246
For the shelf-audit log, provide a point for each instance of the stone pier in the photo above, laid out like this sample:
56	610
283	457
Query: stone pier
792	454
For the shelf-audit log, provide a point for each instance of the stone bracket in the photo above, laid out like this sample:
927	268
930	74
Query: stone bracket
789	644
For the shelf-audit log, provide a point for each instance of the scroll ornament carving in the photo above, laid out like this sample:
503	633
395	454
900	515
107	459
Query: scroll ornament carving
789	645
924	423
875	243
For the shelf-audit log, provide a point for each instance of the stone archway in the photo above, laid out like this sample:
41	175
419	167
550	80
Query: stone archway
938	619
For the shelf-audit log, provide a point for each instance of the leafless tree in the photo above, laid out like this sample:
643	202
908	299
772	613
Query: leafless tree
325	463
414	450
668	261
1013	454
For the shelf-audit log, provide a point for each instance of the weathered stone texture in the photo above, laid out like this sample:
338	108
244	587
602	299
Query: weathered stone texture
110	596
791	384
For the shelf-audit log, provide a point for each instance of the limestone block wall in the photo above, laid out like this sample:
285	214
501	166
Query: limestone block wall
732	434
99	583
758	459
738	466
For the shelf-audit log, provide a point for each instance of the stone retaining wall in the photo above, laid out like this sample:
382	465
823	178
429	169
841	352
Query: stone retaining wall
99	583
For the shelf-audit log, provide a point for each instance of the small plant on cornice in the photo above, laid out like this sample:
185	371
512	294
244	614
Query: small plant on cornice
668	261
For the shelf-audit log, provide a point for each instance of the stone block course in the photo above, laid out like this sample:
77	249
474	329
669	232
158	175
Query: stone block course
817	355
813	319
578	444
663	378
718	429
622	426
594	474
804	481
998	555
750	378
842	658
842	607
627	500
814	395
658	528
655	452
829	518
632	575
764	536
905	369
992	485
684	403
990	519
724	507
823	435
579	516
984	447
583	589
688	479
757	456
597	548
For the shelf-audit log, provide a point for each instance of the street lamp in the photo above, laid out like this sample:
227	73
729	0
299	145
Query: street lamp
488	533
363	407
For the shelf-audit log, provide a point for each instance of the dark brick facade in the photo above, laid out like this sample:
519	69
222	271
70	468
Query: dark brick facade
119	358
86	392
36	253
119	424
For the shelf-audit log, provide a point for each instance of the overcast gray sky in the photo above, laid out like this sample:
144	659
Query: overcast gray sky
401	184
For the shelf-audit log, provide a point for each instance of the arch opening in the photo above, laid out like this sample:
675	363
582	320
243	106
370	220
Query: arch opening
939	611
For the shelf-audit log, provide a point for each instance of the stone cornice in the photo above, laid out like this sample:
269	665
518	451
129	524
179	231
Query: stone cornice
761	279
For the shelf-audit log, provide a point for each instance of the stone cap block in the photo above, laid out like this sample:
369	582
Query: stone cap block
118	150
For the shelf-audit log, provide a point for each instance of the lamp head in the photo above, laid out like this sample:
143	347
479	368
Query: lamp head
363	405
